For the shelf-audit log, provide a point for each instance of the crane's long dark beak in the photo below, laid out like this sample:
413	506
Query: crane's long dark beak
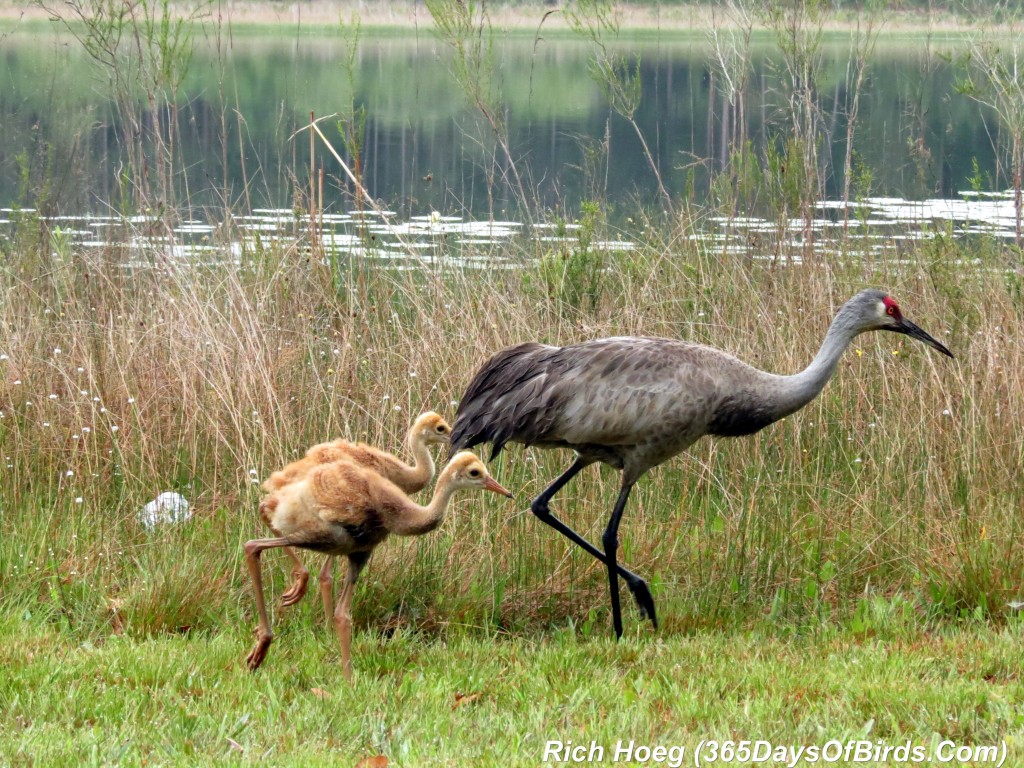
914	332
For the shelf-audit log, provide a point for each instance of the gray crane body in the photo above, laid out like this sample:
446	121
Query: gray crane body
635	402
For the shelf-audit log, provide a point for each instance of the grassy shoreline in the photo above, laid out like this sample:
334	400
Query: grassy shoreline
901	479
858	557
400	17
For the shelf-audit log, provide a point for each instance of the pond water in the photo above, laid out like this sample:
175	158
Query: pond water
876	227
425	150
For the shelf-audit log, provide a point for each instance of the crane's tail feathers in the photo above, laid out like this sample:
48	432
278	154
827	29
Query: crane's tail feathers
508	400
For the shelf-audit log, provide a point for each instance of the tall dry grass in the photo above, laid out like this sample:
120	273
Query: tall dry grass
901	481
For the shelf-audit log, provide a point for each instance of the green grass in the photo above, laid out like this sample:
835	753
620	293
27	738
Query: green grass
847	571
466	697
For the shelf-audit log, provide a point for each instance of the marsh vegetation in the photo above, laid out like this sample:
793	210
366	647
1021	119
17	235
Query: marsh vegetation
877	529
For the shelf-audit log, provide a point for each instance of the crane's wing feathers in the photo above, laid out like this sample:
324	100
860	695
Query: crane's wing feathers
615	391
507	397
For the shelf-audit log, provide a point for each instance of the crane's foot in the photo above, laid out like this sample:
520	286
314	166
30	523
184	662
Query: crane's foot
296	591
259	652
644	600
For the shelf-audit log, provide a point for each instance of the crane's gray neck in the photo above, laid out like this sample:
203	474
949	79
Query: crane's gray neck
798	390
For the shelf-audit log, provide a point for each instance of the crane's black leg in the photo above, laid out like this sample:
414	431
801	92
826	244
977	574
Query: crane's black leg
611	544
539	507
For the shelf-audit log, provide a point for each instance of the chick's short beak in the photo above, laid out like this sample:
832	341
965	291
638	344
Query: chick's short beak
492	485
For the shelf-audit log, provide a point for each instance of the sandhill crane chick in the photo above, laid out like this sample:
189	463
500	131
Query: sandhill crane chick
347	509
427	430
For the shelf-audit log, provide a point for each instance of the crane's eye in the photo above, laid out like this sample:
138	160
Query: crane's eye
891	310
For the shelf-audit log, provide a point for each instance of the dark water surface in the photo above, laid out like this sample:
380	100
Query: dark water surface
427	150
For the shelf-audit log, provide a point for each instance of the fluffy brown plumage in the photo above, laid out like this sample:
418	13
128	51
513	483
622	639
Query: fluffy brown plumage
429	429
342	508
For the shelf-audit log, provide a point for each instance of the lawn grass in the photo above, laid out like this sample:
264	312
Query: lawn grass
847	573
466	697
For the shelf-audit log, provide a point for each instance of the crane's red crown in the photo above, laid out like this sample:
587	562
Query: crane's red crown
892	308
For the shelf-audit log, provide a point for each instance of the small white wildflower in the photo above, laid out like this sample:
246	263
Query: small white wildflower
78	500
46	423
83	393
946	412
114	428
3	357
397	408
80	369
252	472
69	473
17	381
52	397
131	399
56	350
86	430
857	460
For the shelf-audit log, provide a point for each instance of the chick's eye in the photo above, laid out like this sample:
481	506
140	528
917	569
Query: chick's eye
442	430
474	473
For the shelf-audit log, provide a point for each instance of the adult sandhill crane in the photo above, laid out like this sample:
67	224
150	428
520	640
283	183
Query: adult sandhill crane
634	403
429	429
347	509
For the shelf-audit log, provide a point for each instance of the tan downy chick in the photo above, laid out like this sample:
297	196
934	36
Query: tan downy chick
429	429
346	509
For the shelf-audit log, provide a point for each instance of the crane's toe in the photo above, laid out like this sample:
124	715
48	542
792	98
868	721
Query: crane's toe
644	599
259	652
295	592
